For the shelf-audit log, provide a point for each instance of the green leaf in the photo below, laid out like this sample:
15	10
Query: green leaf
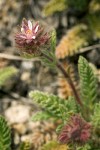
55	106
40	116
54	6
5	135
49	58
95	118
88	85
25	145
59	128
53	145
53	40
84	147
6	73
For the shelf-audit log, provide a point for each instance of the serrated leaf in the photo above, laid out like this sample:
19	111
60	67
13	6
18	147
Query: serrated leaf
88	85
40	116
95	118
84	147
5	135
55	106
53	40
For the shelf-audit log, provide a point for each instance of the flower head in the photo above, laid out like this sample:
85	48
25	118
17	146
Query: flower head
77	130
31	38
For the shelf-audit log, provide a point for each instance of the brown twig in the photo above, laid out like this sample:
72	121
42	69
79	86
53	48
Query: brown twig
13	57
89	48
66	75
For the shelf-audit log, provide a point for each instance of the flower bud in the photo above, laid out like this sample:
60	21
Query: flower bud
77	130
32	38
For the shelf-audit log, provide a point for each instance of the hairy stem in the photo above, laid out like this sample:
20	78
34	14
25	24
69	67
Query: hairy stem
66	75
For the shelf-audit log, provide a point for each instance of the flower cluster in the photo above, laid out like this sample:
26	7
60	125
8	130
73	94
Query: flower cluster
31	39
77	130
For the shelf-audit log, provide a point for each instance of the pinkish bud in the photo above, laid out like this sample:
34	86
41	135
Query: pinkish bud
32	39
77	130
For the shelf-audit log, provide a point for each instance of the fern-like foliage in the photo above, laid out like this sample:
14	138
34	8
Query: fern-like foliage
94	23
40	116
71	43
53	145
85	147
54	6
26	145
54	105
6	73
95	118
88	84
5	135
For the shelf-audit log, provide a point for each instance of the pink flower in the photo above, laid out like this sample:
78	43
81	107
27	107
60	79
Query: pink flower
31	38
77	130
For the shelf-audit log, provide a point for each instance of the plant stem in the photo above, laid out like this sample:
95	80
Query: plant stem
66	75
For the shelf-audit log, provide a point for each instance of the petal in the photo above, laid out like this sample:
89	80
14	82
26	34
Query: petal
36	29
35	26
30	25
22	29
25	25
23	36
33	37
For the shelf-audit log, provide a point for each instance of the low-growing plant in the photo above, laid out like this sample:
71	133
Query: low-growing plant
77	113
80	113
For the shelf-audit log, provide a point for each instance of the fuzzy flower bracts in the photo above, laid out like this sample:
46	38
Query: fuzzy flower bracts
31	39
77	130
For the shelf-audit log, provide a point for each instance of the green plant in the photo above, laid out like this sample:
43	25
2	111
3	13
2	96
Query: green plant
25	145
95	118
77	113
60	108
53	105
88	85
6	73
5	135
53	145
54	6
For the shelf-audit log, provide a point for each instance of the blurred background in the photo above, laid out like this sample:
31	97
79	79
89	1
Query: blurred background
77	24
